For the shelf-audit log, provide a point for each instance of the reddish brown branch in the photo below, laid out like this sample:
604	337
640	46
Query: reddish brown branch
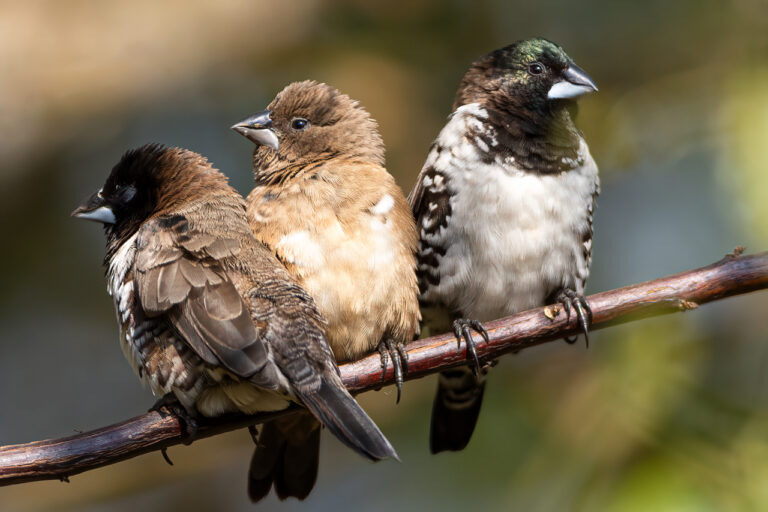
733	275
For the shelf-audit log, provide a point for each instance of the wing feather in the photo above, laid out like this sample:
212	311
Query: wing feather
180	273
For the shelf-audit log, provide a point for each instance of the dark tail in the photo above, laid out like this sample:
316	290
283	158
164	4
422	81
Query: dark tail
287	456
335	408
455	409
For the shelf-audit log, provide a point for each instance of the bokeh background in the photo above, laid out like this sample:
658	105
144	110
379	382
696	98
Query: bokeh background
662	414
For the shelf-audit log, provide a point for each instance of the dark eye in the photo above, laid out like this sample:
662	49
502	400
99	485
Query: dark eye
299	123
535	68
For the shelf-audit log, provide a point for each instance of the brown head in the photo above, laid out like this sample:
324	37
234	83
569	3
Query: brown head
309	122
148	181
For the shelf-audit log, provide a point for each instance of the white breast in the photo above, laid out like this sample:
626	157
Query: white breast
120	287
513	236
148	345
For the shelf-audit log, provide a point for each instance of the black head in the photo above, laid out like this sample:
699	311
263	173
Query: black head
528	74
128	194
310	120
148	180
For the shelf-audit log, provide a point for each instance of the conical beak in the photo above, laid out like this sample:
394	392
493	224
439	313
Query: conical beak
575	82
258	129
95	208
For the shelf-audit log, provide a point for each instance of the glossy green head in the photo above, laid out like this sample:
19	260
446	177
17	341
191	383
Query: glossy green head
528	74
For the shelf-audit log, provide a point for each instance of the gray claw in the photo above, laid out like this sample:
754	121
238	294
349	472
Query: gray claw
389	348
582	319
570	299
461	328
170	405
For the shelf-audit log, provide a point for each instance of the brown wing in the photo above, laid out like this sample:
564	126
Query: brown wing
179	273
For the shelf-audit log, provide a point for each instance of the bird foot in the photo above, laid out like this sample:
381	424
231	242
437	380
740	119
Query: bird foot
169	405
461	328
395	350
572	300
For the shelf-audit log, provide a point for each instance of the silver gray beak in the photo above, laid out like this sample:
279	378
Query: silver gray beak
95	208
258	129
576	82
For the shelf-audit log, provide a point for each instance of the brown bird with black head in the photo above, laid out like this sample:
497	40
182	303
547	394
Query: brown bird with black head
327	207
208	316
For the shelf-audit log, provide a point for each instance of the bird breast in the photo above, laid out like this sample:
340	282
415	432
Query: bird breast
512	235
350	259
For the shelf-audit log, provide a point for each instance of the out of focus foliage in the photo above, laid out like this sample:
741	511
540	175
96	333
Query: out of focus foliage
664	414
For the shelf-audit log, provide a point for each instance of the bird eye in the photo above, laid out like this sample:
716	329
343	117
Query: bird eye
299	123
535	68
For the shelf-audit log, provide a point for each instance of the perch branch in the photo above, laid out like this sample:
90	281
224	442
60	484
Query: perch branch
733	275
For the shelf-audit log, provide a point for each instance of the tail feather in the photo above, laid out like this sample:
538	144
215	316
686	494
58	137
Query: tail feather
335	408
299	469
455	409
288	457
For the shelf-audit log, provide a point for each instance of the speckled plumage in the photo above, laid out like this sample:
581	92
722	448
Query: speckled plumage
206	312
198	245
496	239
504	208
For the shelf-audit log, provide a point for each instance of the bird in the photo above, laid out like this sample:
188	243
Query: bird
504	206
325	205
209	318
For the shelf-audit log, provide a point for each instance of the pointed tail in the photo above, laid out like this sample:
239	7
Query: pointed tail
455	409
335	408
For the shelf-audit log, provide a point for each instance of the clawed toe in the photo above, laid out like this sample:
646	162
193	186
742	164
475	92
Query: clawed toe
461	328
574	301
394	350
170	405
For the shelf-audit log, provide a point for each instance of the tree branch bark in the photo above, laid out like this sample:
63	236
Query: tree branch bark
733	275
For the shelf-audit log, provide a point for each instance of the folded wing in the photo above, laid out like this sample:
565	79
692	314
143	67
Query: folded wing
179	272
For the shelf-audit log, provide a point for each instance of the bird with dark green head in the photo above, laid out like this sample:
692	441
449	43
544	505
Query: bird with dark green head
530	88
504	209
533	71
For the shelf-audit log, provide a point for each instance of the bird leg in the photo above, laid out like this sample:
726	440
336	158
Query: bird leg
170	405
461	328
572	300
389	348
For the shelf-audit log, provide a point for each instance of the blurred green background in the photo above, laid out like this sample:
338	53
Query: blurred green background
663	414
